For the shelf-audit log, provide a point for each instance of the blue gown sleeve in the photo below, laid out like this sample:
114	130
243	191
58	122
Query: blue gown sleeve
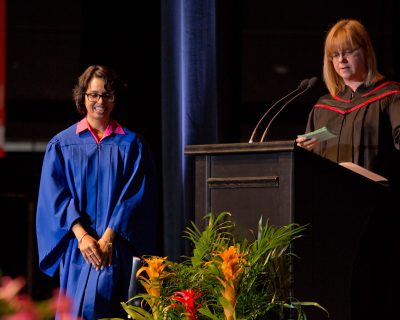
56	210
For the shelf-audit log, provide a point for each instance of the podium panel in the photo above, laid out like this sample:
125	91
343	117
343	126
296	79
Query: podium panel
286	184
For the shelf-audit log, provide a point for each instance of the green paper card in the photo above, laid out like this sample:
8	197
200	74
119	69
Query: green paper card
321	134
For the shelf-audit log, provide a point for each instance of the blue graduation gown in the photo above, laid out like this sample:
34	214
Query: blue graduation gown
106	184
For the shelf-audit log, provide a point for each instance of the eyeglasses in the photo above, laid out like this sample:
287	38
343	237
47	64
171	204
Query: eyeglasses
335	56
94	97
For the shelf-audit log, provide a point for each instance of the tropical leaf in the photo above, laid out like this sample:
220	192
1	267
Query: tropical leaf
137	312
216	235
300	304
208	313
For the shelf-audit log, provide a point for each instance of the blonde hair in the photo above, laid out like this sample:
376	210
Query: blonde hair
348	34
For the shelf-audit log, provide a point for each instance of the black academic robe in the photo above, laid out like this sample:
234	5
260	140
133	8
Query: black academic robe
367	125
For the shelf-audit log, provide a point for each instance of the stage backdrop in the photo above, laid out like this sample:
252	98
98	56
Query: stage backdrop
2	73
189	106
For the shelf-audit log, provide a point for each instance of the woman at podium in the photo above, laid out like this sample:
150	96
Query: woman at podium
362	110
362	107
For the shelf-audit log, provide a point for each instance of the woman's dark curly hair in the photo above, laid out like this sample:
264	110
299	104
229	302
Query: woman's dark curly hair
113	83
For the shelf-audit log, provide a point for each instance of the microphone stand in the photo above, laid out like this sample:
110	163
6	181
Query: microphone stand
311	83
279	111
303	84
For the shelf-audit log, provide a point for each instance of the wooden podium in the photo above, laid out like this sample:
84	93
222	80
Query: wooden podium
286	184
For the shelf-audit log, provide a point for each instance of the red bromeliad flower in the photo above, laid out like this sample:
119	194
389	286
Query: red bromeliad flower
187	299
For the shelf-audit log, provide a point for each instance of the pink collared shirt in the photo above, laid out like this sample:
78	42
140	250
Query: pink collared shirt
113	127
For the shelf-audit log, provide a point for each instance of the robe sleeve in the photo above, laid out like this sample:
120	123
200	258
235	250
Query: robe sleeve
394	116
56	210
310	121
135	215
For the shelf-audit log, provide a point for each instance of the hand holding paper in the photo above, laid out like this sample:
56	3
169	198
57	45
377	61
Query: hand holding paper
321	134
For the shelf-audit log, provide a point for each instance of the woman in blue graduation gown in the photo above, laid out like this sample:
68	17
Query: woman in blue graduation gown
97	201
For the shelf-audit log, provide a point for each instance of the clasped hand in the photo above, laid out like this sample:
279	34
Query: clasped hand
96	252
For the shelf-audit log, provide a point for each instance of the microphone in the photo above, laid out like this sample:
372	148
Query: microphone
311	83
303	84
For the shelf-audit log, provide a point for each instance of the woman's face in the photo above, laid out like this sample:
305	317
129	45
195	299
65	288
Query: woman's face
350	64
99	103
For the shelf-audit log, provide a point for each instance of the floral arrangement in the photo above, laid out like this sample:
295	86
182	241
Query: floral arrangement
16	305
224	278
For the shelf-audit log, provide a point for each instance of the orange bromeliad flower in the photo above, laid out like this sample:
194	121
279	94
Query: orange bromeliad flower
156	273
231	268
231	265
155	267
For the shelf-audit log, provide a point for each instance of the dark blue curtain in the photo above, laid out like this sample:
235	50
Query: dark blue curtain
189	107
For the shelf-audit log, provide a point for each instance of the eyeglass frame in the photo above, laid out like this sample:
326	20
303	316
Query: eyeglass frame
107	96
335	56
